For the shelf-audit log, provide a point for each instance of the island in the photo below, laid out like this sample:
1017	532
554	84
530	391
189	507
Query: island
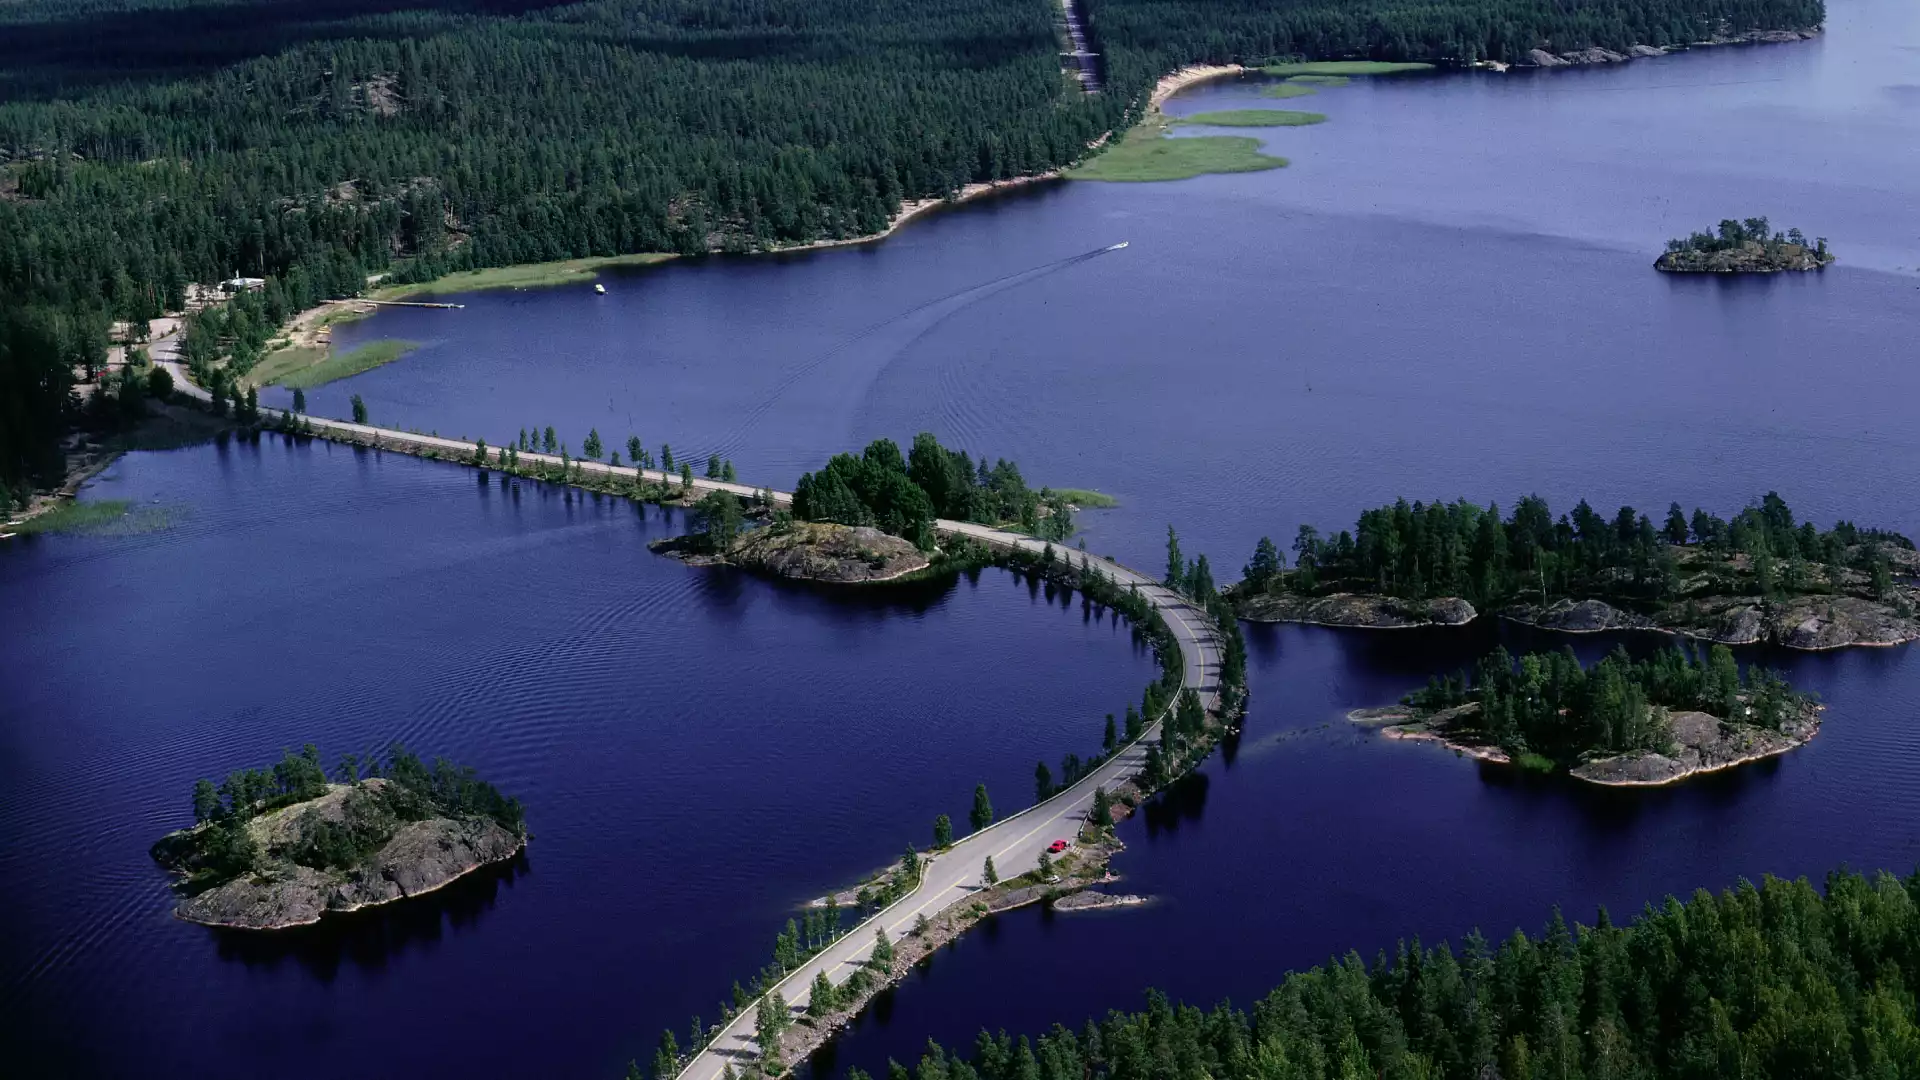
1760	577
870	518
280	847
1744	247
1620	723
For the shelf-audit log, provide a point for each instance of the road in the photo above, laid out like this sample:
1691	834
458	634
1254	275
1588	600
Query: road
1014	842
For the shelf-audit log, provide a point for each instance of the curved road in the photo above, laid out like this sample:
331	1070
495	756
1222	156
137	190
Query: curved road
1014	842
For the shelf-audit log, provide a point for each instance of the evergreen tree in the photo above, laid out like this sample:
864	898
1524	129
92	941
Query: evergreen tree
942	832
981	815
359	410
592	447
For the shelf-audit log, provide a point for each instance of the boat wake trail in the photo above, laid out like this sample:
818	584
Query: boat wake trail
952	302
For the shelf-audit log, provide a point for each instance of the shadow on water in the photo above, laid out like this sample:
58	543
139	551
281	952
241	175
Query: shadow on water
1184	800
370	939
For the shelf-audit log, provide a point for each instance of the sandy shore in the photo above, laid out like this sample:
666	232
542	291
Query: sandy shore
1170	85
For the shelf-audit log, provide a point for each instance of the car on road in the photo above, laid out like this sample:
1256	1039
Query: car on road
1056	847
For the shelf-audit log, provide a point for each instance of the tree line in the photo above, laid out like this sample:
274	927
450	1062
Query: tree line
148	146
1423	550
1549	704
905	494
1768	980
222	847
1731	235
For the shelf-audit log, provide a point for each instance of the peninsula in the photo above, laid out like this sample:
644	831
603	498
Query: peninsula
1744	247
280	847
1620	723
1759	577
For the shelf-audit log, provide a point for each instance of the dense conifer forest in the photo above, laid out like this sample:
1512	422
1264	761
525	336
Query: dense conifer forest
1774	980
147	145
1422	550
1548	704
903	495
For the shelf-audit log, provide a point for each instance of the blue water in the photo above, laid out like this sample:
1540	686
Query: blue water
1447	294
699	752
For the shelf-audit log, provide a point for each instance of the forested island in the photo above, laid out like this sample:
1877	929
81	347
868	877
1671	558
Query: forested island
279	847
1744	247
1620	722
871	517
1775	980
151	148
1761	576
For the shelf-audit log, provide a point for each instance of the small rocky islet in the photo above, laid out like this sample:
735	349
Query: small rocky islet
282	847
1617	723
1748	246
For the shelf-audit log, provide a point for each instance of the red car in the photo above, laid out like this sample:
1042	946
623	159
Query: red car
1056	847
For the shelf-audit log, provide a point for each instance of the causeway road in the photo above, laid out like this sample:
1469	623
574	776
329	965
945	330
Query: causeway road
950	877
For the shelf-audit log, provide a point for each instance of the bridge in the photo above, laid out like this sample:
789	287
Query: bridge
948	878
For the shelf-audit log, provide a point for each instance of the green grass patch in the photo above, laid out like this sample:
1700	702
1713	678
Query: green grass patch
525	276
1254	118
107	517
1146	154
1533	762
1292	89
282	363
1344	67
365	358
1087	499
1313	81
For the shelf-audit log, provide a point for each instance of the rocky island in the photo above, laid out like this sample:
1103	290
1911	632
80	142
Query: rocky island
804	551
1760	577
1744	247
1619	723
871	518
280	847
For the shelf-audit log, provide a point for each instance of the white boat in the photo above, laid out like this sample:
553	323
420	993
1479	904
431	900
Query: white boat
1118	246
599	288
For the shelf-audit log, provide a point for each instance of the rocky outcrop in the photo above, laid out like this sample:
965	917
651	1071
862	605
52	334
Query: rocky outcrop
422	856
1804	622
808	551
1701	743
1546	59
1751	257
1089	900
280	892
1354	609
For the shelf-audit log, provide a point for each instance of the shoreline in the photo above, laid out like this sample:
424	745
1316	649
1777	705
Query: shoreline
1401	724
518	849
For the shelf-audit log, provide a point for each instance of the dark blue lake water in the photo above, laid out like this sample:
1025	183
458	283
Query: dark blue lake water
1447	294
699	752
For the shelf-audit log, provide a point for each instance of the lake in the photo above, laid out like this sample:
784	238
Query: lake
1448	294
699	752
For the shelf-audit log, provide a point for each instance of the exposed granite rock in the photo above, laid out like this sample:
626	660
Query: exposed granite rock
1702	743
1545	59
1088	900
1355	609
1804	622
422	856
809	551
1579	617
1749	258
1594	55
419	857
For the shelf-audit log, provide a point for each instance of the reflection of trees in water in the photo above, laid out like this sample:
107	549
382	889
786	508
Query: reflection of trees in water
1183	800
370	938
